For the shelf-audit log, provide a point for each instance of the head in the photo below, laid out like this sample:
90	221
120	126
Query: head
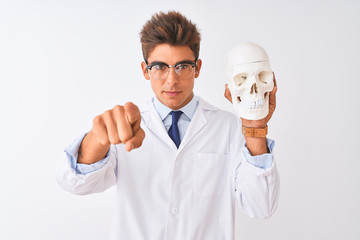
171	39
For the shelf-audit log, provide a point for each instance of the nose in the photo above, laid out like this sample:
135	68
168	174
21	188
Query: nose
172	77
253	89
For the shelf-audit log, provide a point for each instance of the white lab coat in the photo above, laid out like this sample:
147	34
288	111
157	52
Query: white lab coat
187	193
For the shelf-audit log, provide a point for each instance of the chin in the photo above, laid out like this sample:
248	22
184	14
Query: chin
172	104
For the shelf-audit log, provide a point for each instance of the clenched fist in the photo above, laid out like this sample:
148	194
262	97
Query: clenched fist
118	125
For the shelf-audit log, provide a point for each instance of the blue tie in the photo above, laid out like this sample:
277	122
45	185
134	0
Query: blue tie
174	130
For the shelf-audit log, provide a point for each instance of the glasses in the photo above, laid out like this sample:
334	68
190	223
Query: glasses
160	70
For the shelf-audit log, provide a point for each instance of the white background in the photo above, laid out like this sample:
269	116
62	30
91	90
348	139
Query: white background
64	62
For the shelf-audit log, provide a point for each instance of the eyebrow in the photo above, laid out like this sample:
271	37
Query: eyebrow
162	63
157	63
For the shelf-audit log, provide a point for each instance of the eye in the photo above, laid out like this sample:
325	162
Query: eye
160	67
183	66
240	79
265	76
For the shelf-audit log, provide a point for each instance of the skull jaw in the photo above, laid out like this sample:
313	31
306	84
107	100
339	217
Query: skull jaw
246	112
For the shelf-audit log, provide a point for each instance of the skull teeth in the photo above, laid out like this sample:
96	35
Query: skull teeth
253	104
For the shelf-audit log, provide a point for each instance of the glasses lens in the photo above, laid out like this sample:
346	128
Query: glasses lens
159	71
184	70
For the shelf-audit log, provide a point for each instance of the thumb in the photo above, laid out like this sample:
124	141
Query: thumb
227	93
272	96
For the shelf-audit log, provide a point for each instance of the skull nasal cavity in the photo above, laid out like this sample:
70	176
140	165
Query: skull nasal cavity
253	88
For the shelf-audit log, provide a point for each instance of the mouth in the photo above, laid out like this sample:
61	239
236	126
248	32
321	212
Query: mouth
172	93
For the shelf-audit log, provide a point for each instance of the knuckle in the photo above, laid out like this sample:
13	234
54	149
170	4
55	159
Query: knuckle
131	119
114	140
125	137
127	134
104	141
128	104
118	108
107	114
118	111
97	120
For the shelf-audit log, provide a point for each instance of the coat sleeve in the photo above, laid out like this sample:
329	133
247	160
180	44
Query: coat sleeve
256	188
98	180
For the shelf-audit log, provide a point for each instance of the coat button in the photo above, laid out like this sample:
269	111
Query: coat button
174	210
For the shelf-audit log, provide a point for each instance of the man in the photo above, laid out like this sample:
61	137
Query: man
183	179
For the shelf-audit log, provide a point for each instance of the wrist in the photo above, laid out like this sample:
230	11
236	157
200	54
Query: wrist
259	132
255	138
91	149
256	145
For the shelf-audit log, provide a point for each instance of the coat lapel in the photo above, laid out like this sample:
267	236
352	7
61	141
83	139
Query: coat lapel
154	124
197	123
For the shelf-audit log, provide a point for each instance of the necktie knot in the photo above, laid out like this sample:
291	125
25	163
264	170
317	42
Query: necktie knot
175	116
174	129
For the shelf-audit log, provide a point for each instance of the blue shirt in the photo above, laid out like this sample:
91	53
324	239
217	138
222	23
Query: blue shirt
263	161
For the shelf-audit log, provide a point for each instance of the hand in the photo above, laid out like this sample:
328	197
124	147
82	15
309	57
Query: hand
262	122
119	125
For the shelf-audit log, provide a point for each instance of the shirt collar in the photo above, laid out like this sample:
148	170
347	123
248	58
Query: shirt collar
188	109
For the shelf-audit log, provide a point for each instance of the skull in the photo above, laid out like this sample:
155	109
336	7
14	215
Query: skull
250	79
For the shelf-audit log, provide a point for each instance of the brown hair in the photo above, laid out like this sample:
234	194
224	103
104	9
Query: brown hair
171	28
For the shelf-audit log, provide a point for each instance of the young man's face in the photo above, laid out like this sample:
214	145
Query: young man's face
173	91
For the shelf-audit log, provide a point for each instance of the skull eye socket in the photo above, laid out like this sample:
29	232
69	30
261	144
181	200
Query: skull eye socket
265	76
240	78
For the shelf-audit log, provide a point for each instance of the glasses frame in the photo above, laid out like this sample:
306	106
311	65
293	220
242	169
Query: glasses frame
193	65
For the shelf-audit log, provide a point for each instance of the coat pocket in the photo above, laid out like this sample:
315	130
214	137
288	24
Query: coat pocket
210	171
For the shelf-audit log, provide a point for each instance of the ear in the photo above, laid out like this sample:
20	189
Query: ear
145	71
198	67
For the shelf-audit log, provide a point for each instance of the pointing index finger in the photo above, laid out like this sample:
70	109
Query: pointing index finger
132	114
